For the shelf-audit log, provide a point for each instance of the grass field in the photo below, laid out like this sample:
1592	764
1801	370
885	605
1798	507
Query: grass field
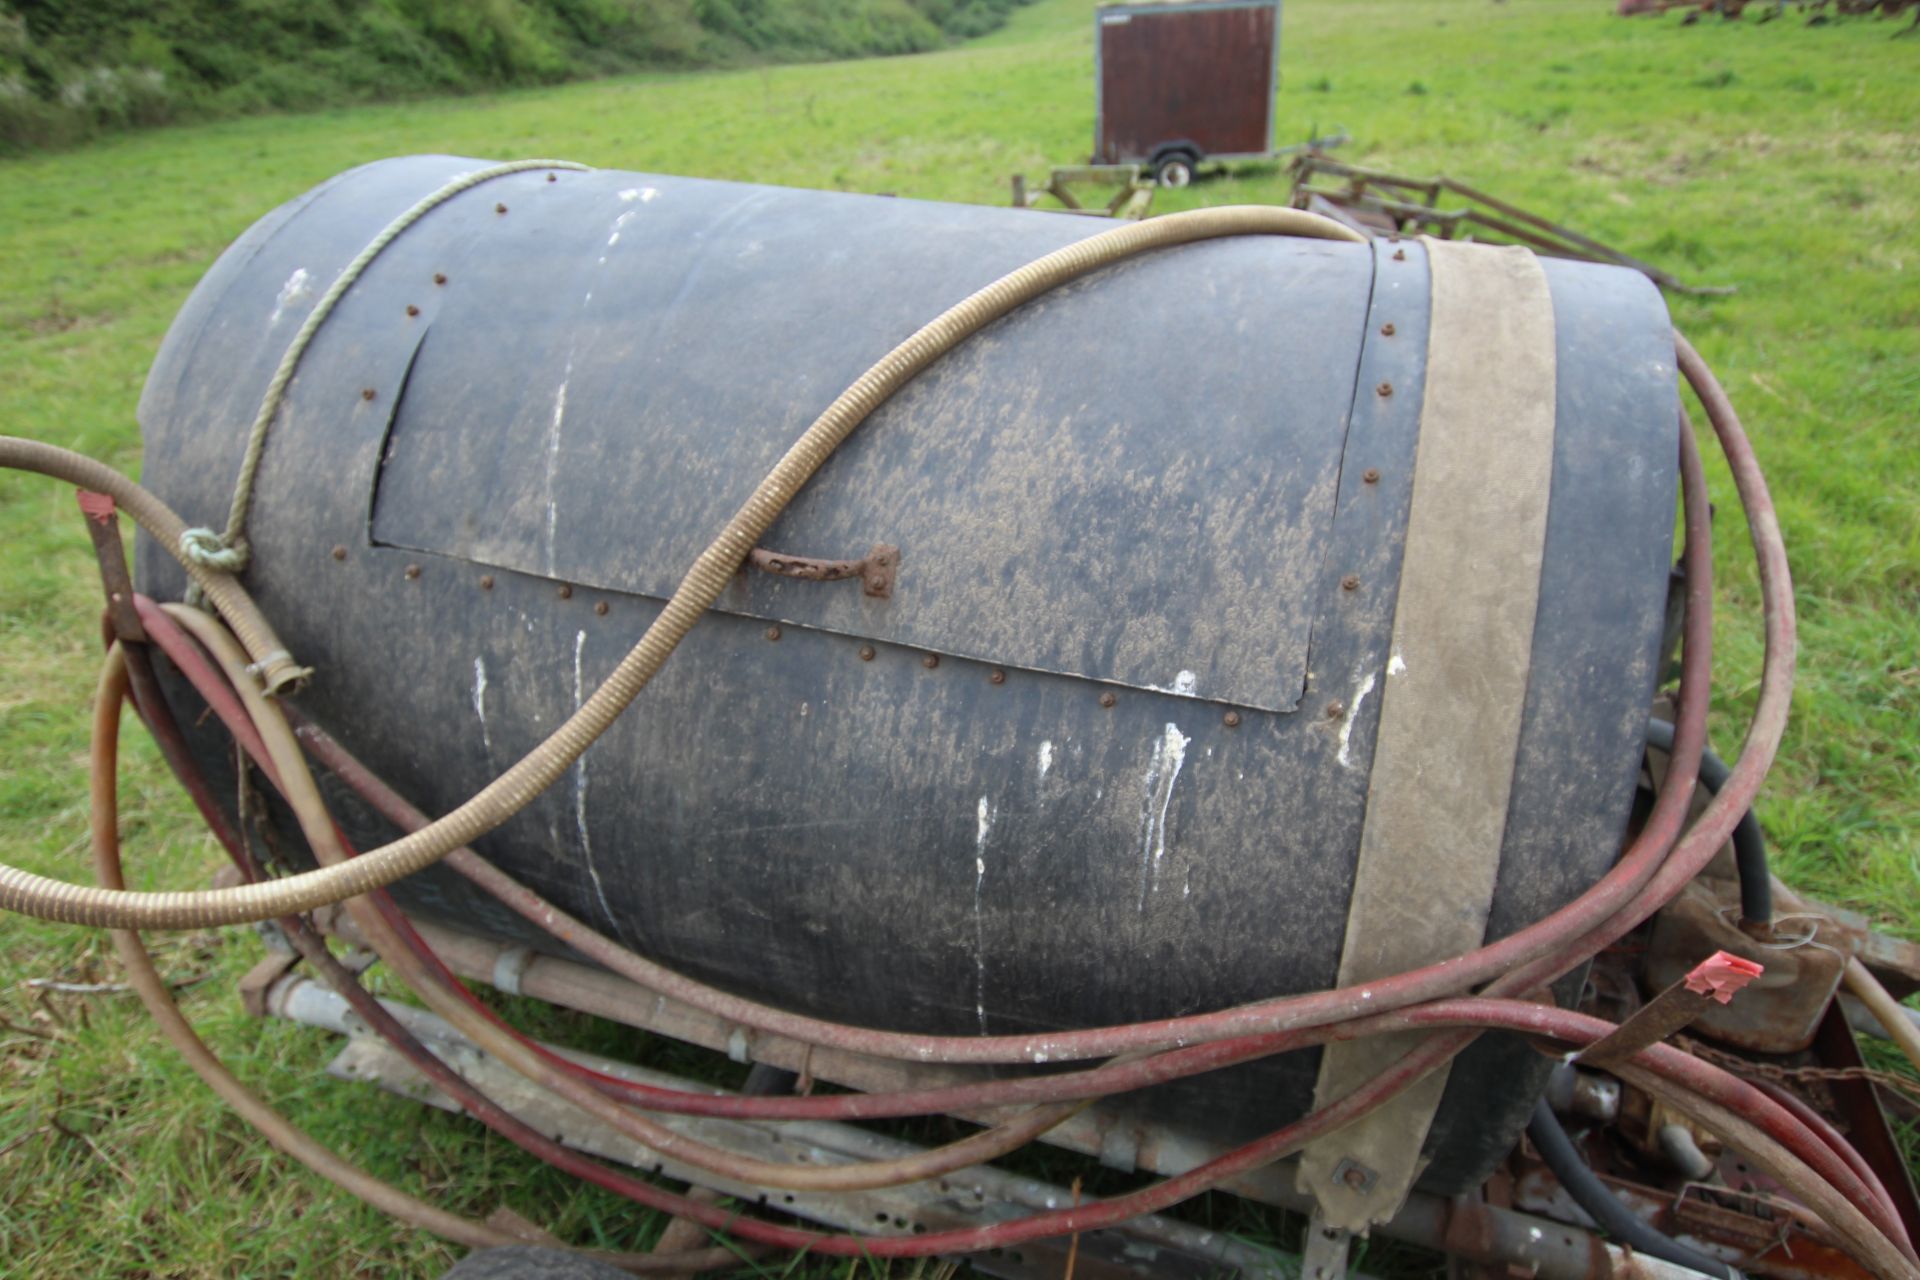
1780	159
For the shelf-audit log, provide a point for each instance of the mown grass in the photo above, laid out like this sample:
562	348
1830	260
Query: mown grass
1780	159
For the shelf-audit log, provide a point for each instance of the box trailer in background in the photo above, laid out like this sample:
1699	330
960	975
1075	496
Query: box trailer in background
1183	83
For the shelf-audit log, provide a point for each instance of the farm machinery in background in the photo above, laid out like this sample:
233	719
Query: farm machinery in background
1818	11
1184	84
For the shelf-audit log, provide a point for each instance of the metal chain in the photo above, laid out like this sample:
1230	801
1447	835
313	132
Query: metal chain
1906	1086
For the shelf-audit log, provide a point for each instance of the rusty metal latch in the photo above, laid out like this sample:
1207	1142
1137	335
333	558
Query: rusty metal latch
875	571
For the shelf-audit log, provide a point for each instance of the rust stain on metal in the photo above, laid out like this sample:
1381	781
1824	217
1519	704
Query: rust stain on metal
412	572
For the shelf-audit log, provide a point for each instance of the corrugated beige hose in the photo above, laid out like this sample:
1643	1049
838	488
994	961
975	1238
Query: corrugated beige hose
507	794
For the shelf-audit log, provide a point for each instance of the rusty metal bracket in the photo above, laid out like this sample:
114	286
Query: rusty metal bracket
876	570
1716	978
103	526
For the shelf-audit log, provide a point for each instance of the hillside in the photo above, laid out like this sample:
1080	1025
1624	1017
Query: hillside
69	71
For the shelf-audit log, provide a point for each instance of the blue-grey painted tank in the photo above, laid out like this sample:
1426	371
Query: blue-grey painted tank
1099	755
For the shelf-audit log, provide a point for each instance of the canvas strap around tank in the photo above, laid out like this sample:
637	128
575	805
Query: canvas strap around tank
1455	688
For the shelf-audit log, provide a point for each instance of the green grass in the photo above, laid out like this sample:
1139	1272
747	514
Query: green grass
70	72
1780	159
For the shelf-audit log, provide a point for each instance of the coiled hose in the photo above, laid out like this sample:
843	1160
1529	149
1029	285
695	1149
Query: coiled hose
1837	1210
1649	872
1693	1086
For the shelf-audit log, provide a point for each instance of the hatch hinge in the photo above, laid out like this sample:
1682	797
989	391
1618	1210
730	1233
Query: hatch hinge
875	571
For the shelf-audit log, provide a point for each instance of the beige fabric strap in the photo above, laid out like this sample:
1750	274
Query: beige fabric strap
1455	688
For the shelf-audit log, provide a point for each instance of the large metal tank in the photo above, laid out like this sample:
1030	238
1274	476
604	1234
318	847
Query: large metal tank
1104	754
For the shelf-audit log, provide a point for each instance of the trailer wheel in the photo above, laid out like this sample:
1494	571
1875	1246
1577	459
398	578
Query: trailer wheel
1175	169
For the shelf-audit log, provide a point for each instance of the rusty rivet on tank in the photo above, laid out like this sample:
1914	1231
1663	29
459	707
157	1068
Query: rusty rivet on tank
1386	330
1399	255
1336	709
1231	719
866	653
339	553
412	310
368	393
1107	699
1350	583
553	177
1371	475
439	277
413	571
565	592
486	582
499	208
1385	389
997	676
930	661
773	633
600	607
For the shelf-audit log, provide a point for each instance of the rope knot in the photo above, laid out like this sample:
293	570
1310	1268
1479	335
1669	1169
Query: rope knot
211	550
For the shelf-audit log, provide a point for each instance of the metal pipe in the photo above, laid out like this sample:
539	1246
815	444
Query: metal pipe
309	1003
1600	1204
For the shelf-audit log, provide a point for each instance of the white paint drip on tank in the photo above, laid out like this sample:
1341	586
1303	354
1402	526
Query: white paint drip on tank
1185	685
1353	713
983	827
580	787
480	703
1163	770
553	460
296	288
643	194
1046	759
